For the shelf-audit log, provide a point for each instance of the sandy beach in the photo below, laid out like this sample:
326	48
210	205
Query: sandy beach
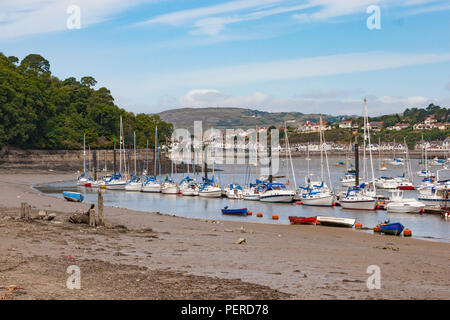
149	255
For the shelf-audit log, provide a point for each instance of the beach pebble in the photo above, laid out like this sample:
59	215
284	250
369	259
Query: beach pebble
227	230
42	214
241	241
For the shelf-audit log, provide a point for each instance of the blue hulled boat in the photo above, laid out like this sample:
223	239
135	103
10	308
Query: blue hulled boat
73	196
242	211
394	228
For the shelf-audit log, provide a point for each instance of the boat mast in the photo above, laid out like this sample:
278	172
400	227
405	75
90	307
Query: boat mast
84	154
120	147
146	159
370	149
408	162
89	158
135	156
156	144
379	152
321	147
366	127
328	165
290	156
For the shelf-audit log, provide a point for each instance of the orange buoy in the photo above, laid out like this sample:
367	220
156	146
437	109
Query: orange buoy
259	215
275	217
298	202
376	229
407	233
378	207
249	213
358	225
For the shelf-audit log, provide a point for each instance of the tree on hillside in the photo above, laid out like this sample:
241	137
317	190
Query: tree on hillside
88	81
35	62
44	112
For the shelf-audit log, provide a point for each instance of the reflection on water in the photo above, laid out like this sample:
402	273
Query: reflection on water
423	226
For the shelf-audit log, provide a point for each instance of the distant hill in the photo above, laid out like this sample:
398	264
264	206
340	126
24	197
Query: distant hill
222	118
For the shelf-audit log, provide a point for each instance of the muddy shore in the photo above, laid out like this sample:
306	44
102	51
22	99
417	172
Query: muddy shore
149	255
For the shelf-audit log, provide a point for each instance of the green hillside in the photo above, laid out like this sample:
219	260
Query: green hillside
236	118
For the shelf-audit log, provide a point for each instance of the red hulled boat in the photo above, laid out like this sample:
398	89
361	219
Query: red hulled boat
302	220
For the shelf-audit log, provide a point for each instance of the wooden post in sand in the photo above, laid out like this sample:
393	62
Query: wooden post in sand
92	217
25	211
101	221
22	210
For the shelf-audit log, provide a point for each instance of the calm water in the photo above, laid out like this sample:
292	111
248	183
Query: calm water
428	226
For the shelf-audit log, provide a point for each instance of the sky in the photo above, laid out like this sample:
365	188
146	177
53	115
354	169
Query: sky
310	56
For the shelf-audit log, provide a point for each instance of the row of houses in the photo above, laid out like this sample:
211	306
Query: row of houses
431	123
374	126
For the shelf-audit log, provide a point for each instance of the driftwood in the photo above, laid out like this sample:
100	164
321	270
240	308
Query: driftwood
10	291
82	217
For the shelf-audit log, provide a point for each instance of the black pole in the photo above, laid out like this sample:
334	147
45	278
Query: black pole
114	159
94	155
356	164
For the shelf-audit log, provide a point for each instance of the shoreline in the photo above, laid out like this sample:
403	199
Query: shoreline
300	262
368	231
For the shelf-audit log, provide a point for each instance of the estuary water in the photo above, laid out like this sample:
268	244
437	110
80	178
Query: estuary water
425	226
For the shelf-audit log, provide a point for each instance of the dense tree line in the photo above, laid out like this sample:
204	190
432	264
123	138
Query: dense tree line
38	110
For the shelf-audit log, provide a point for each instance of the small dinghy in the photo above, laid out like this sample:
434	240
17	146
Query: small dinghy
394	228
340	164
336	222
302	220
73	196
242	211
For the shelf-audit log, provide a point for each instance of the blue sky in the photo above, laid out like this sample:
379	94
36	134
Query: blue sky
275	55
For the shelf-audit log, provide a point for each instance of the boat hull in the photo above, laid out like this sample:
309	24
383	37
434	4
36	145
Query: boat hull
302	220
133	187
404	207
251	197
391	228
170	190
210	194
336	222
358	205
405	188
115	186
242	211
323	201
152	188
73	196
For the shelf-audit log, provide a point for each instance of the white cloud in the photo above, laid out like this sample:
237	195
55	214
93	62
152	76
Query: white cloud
334	102
26	17
294	69
211	20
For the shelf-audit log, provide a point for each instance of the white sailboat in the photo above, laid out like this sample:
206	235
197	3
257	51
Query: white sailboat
398	204
319	194
134	183
277	192
118	182
150	184
83	178
359	198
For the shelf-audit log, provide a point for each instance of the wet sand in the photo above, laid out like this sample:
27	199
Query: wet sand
159	256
